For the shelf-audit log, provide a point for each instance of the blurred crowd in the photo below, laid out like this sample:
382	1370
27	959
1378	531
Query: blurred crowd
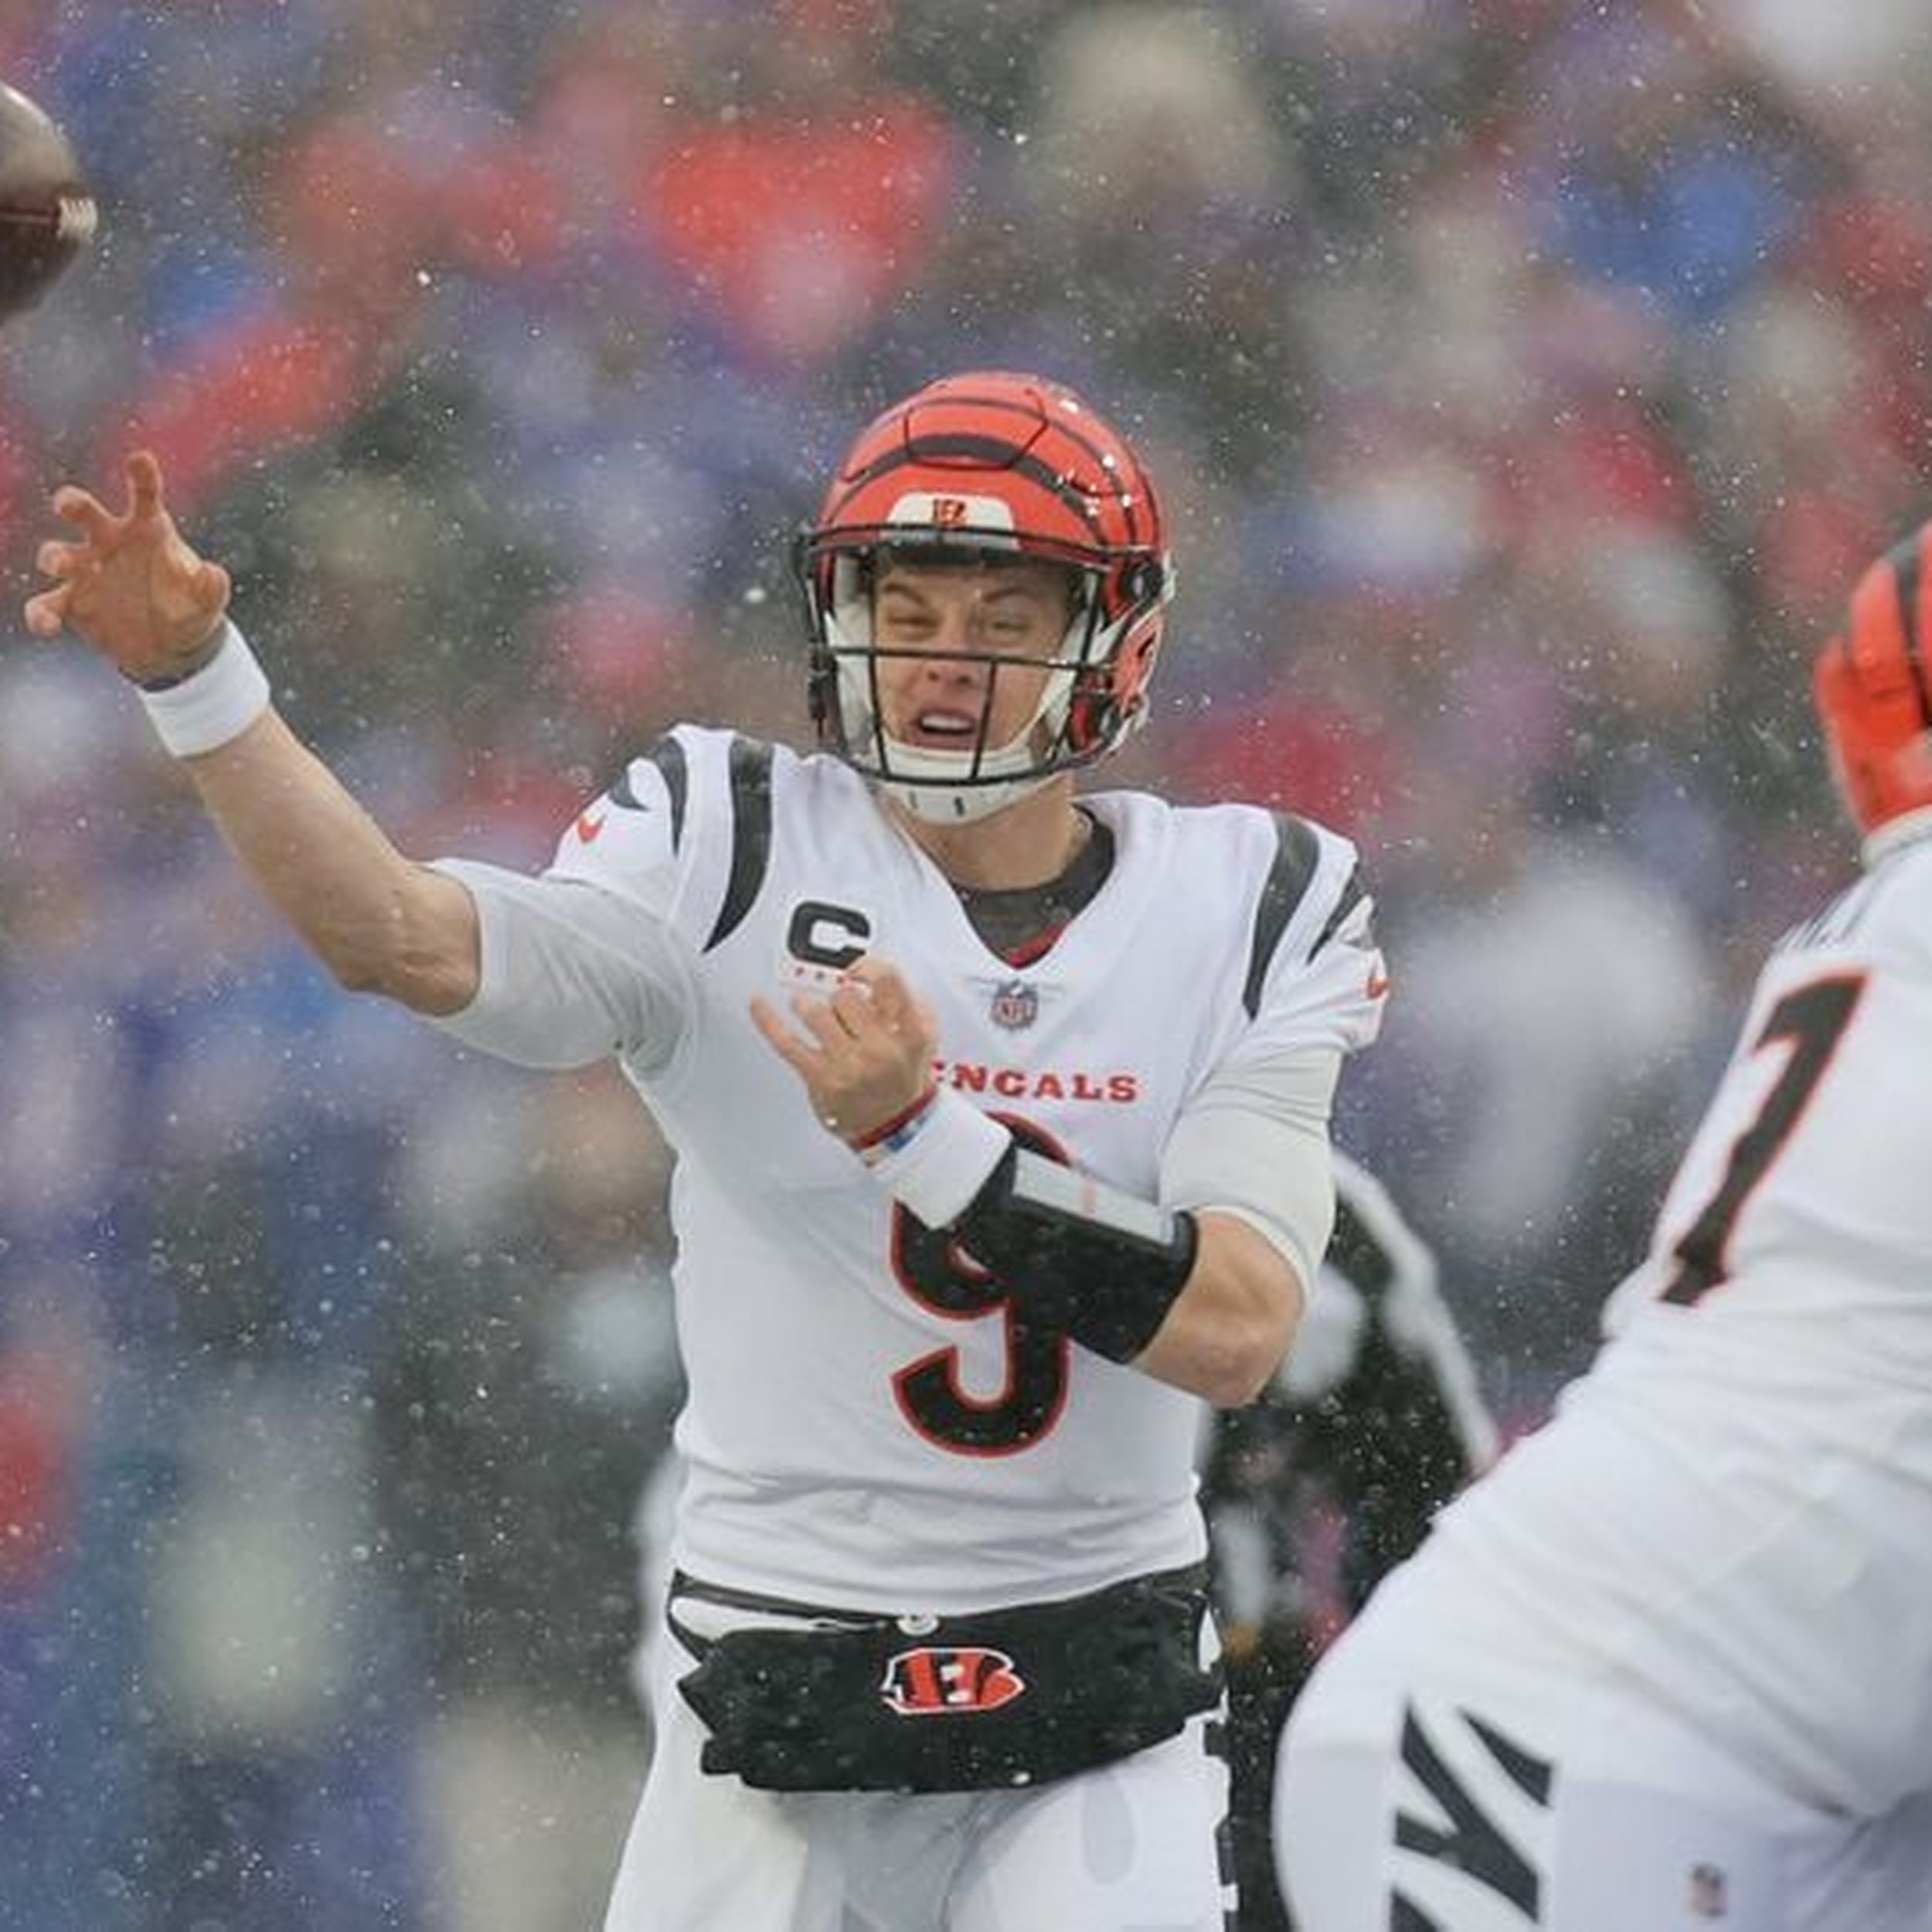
1528	379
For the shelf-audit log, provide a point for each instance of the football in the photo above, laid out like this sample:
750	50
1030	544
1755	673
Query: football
47	212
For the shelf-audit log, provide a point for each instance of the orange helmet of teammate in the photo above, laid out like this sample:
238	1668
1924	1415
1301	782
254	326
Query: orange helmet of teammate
1872	685
985	466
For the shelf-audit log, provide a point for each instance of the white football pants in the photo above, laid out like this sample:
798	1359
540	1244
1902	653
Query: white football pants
1420	1794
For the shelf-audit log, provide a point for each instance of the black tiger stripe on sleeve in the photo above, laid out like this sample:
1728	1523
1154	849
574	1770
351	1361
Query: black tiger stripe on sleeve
1352	895
1298	852
668	755
751	766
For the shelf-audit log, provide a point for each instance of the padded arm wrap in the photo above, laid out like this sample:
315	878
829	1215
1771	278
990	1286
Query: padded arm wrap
1093	1260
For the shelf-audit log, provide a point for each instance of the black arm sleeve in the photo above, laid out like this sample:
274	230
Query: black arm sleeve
1099	1263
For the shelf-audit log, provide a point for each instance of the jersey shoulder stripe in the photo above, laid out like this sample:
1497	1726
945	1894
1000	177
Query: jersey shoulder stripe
1352	893
691	831
1296	853
749	765
668	755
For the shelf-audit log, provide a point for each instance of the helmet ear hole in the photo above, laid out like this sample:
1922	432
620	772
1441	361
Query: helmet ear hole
1144	582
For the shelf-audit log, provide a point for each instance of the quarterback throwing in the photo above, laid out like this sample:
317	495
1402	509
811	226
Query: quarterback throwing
1001	1113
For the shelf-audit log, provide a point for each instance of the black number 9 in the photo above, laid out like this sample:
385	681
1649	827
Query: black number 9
937	1273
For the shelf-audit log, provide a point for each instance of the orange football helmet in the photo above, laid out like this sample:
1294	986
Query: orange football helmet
1872	685
983	465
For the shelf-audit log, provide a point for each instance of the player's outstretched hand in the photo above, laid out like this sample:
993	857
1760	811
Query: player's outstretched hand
128	582
864	1053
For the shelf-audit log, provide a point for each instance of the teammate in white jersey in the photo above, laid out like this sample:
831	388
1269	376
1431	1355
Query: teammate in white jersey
1001	1121
1670	1665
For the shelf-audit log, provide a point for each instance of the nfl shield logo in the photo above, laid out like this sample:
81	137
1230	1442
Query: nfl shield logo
1707	1892
1015	1004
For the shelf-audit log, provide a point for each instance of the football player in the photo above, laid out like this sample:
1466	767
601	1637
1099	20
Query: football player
1001	1113
1670	1664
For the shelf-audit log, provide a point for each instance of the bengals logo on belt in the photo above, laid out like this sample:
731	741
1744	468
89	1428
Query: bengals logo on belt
935	1681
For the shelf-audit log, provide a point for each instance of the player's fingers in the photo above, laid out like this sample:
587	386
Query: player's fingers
46	612
144	485
901	1010
919	1021
779	1037
56	560
894	1004
883	987
77	505
212	582
852	1006
817	1017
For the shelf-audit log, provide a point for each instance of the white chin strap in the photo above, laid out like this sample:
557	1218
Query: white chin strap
927	782
950	787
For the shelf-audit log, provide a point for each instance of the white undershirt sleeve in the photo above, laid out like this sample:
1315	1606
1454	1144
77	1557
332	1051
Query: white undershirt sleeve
1255	1144
571	974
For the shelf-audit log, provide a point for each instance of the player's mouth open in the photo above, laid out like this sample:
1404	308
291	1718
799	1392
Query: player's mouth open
947	727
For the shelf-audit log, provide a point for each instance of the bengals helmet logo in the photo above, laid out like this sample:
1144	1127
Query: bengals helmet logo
935	1681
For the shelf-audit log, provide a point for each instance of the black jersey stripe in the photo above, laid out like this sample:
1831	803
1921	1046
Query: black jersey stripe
1470	1840
750	835
1353	895
1296	853
1534	1776
1405	1916
1908	562
668	755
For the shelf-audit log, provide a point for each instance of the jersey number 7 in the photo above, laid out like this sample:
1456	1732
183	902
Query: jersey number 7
1811	1019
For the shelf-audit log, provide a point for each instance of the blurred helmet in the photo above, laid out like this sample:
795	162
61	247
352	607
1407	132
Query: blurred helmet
1872	685
988	466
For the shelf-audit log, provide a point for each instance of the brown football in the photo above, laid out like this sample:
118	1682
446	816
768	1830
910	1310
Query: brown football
47	212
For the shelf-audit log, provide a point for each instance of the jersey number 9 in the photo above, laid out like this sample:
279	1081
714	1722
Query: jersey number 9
937	1273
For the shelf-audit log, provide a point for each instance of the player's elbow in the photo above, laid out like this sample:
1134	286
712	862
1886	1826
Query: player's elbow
1241	1307
1224	1349
366	954
356	972
431	987
419	949
1241	1368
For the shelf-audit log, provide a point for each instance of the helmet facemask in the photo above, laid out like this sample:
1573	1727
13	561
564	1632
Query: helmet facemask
1067	727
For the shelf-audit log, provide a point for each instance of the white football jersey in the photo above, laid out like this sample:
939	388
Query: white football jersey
867	1424
1731	1513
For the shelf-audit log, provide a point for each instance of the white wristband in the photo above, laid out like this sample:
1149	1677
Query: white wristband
218	702
937	1172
